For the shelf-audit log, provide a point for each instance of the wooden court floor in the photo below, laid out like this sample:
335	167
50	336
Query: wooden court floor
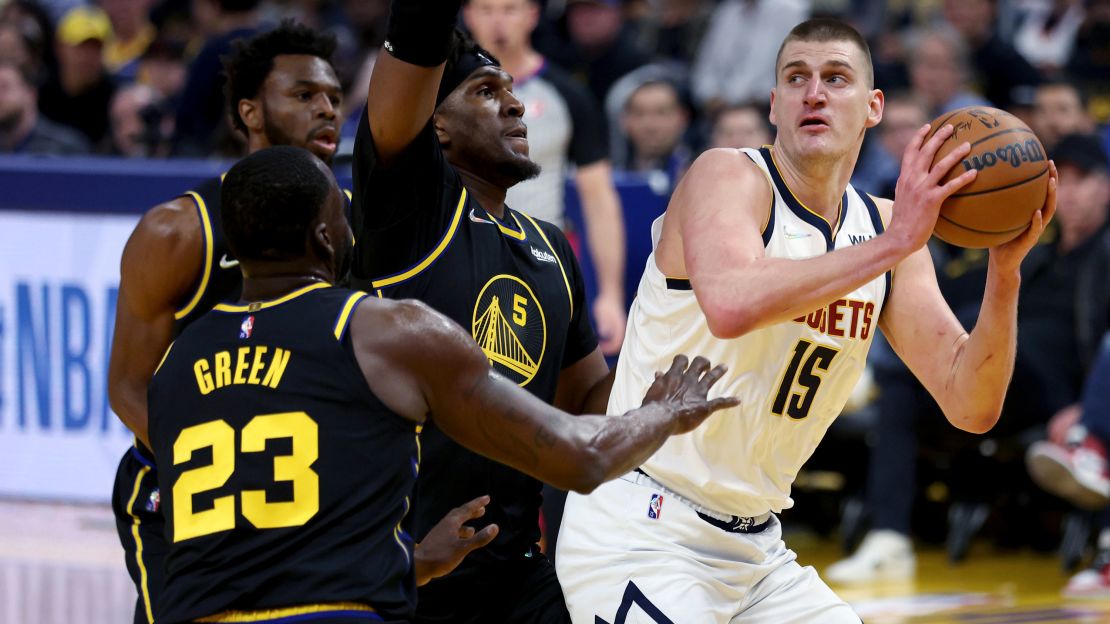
62	563
989	587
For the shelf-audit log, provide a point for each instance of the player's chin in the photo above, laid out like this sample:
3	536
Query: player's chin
518	168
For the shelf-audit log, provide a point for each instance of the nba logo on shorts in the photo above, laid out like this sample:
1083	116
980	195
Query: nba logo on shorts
246	328
655	507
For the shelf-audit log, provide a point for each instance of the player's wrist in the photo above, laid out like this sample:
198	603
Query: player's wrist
419	31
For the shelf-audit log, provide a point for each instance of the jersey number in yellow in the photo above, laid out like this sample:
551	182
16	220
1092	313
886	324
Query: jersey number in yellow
220	437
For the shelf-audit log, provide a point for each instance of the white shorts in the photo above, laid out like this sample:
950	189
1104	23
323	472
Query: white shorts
620	565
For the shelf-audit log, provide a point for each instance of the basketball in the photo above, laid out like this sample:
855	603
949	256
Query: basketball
1012	182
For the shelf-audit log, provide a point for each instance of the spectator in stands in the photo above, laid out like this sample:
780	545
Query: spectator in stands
673	29
1004	76
1090	58
565	130
603	46
132	34
881	159
140	124
36	27
201	125
939	71
162	67
743	125
22	129
80	94
1065	310
1047	34
1060	108
655	119
736	60
21	42
1073	464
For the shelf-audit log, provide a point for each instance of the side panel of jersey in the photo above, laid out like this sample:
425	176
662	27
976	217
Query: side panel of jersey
284	480
792	378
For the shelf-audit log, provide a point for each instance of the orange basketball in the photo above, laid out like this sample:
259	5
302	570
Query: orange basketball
1012	182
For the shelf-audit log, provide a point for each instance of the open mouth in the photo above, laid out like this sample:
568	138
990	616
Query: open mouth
520	132
814	122
326	138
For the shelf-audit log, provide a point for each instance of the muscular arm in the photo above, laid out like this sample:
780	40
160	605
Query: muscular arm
584	386
601	210
159	268
418	362
739	288
720	247
967	374
402	95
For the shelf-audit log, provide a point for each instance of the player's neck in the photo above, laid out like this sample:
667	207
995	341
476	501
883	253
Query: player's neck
489	195
521	64
271	280
818	184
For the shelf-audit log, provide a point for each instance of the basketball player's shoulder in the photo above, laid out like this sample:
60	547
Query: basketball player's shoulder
885	206
723	164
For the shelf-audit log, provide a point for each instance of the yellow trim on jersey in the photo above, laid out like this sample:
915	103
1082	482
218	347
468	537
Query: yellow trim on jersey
350	197
570	293
163	360
139	543
272	614
509	231
840	208
430	258
341	322
262	305
397	530
206	228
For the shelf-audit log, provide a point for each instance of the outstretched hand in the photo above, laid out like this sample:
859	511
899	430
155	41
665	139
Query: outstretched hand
1008	256
683	390
450	541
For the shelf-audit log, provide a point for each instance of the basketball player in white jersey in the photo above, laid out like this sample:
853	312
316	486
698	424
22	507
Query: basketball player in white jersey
768	261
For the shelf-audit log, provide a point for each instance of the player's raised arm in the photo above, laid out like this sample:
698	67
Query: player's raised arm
157	272
406	77
419	362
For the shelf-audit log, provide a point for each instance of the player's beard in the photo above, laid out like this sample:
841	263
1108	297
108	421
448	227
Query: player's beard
519	169
278	136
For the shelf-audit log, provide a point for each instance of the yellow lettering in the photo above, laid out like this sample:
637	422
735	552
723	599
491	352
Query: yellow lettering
520	313
259	351
204	378
223	369
241	365
276	368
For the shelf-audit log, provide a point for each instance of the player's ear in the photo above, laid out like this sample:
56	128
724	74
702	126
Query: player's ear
771	111
875	108
441	131
251	114
323	245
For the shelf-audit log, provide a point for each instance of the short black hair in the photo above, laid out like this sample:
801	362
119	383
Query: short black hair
1066	83
270	199
828	29
252	60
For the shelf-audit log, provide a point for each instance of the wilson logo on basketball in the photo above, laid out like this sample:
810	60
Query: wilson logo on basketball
1015	154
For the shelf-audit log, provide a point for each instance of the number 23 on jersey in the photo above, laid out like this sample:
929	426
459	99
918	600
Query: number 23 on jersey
262	514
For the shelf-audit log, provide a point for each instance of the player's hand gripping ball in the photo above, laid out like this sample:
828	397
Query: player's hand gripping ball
1013	177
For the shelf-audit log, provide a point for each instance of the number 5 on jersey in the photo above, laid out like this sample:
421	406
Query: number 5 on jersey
217	434
804	372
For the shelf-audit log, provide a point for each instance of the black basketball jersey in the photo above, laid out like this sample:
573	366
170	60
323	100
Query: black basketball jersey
513	283
220	279
285	482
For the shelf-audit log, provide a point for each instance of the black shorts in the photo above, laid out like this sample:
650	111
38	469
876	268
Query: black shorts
513	592
136	503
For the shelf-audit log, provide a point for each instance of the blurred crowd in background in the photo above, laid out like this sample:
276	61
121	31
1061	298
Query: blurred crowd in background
668	79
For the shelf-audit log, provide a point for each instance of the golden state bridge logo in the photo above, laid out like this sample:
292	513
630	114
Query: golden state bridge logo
510	328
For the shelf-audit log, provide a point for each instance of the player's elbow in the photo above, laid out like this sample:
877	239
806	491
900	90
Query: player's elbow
728	321
975	422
